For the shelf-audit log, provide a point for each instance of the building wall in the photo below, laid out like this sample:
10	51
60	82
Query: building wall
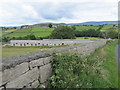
34	69
44	42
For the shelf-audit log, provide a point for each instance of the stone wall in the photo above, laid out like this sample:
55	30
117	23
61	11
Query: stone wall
34	69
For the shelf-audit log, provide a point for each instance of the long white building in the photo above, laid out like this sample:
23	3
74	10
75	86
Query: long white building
46	42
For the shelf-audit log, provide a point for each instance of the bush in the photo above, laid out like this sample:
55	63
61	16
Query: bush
74	71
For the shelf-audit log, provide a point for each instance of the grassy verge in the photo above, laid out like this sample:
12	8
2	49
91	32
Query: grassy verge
9	51
99	70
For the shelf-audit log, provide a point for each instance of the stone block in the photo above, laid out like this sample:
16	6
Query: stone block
27	86
35	84
2	88
47	60
45	72
25	79
35	63
10	74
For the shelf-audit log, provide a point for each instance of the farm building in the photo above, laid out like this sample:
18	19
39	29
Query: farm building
46	42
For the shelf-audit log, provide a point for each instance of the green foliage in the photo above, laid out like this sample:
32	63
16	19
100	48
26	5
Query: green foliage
88	33
30	37
74	28
94	71
100	27
85	27
63	32
110	34
71	71
42	30
50	25
38	32
5	39
80	31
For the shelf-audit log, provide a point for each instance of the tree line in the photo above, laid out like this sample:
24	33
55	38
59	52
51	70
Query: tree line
69	32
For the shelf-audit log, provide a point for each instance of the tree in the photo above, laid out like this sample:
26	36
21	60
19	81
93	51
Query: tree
50	25
30	37
100	27
110	34
88	33
63	32
74	28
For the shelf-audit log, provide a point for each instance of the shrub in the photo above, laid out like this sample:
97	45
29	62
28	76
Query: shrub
74	71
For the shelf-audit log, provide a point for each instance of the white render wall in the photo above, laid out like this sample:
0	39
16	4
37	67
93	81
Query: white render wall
45	42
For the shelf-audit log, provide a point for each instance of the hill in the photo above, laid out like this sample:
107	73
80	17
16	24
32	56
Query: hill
95	23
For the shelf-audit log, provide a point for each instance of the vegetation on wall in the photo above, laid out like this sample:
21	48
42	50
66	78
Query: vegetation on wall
94	71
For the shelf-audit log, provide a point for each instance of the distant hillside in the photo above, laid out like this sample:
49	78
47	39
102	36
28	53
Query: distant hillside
84	23
95	23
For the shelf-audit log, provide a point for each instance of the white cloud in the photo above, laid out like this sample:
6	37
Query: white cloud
18	12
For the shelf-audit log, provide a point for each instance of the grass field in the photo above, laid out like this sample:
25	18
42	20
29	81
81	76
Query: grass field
87	38
13	51
80	28
109	27
23	31
9	51
42	29
9	30
16	34
99	70
43	32
38	32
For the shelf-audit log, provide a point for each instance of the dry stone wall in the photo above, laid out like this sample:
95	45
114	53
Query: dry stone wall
34	69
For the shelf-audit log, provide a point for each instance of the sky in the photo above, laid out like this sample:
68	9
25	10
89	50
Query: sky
28	12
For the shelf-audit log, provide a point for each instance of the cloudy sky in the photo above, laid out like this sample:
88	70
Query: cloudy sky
20	12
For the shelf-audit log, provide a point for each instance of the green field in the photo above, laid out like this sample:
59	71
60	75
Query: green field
16	34
99	70
38	32
109	27
22	31
43	32
13	51
80	28
8	51
87	38
42	29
